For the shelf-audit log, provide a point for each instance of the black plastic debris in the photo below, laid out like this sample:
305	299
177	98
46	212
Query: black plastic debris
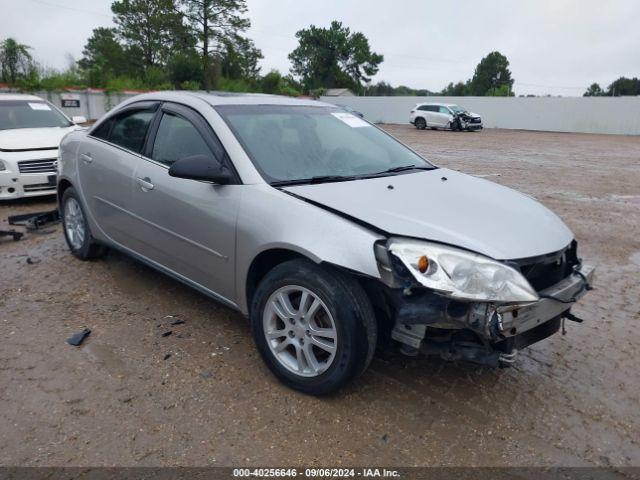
12	233
167	356
77	339
35	221
166	334
177	322
33	261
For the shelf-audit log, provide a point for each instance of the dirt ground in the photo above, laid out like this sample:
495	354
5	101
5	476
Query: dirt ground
570	400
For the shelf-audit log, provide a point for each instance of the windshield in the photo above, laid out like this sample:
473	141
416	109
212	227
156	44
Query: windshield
457	109
298	143
30	114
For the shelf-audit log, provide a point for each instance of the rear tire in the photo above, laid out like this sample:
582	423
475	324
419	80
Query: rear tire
317	310
76	229
420	123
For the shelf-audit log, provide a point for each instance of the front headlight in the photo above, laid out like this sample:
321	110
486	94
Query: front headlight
461	274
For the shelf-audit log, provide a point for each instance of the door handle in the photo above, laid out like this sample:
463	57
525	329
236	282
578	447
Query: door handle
145	183
86	157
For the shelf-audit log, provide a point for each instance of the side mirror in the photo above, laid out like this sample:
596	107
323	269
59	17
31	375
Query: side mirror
201	167
79	119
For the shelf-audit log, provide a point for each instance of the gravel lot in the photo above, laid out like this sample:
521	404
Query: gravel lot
570	400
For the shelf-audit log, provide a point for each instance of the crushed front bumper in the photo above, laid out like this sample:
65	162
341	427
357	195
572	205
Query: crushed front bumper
500	330
517	319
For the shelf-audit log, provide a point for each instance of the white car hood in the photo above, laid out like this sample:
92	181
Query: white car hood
33	138
462	210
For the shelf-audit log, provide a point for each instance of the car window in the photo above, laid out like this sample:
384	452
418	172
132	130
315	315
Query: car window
103	130
177	138
297	142
130	128
444	110
423	107
16	114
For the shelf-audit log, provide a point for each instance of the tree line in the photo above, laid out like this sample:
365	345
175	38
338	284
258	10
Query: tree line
622	86
201	44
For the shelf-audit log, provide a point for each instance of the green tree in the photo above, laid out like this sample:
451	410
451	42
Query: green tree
215	23
154	28
276	83
15	61
103	57
459	89
380	89
241	59
594	91
333	57
491	74
624	86
185	68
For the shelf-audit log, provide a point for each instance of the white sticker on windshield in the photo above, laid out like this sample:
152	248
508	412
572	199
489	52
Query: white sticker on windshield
351	120
39	106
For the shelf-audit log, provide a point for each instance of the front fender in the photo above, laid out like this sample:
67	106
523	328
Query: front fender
272	219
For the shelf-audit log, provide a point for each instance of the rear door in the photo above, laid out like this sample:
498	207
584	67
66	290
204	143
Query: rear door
187	226
107	160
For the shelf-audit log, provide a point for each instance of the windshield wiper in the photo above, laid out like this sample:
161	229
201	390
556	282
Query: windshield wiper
404	168
315	180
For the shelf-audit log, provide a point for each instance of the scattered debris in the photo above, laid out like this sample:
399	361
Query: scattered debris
206	375
167	333
32	261
178	322
167	356
488	175
77	339
35	221
12	233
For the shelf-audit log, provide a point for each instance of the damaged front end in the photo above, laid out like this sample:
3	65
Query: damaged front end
463	306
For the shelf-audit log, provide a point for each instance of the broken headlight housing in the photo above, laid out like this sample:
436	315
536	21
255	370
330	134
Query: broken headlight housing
461	274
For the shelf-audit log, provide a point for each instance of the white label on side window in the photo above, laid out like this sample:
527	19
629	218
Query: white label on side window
39	106
351	120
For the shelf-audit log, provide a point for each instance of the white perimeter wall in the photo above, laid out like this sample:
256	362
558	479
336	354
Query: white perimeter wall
617	115
93	105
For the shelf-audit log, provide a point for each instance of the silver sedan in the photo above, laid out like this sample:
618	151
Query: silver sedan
328	233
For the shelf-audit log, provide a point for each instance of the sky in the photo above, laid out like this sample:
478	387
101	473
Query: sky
556	47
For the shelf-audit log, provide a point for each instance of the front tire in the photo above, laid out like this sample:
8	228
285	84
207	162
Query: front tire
314	326
76	229
420	123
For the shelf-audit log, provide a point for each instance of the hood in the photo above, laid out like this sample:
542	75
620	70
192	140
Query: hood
463	211
33	138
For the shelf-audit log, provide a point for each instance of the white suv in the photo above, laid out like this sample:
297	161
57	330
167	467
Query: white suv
444	115
30	132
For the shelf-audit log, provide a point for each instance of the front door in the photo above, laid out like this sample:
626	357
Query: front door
107	160
187	226
444	116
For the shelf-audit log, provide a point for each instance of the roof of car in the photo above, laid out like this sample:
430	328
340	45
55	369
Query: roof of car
439	104
19	96
230	98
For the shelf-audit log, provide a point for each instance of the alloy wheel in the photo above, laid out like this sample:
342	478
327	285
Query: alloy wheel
74	223
300	331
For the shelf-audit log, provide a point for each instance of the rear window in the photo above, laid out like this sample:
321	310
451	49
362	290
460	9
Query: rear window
16	114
